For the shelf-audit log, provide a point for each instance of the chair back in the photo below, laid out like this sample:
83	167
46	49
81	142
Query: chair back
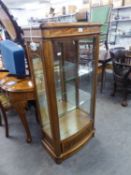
121	63
122	72
101	14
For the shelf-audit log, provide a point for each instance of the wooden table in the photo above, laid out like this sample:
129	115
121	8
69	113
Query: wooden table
104	61
19	91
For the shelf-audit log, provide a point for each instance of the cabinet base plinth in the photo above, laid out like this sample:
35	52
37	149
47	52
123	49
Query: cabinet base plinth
66	154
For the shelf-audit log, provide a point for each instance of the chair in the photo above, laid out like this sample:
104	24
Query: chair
99	14
121	72
104	62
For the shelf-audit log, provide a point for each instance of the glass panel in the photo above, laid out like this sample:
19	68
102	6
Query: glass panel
73	68
86	68
41	92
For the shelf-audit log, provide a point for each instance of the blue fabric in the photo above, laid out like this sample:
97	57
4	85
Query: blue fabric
13	57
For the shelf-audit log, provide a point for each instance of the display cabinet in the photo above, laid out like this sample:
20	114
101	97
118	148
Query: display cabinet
65	87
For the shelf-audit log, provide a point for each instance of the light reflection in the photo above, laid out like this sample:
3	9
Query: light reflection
30	83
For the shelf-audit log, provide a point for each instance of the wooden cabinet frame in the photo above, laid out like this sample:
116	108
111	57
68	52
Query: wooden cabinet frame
60	146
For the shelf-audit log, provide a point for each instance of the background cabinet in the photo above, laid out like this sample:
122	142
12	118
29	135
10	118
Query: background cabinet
120	27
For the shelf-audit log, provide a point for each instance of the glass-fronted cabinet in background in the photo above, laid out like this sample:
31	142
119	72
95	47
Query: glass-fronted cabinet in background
63	61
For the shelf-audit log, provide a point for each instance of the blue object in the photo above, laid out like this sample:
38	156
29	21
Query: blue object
13	57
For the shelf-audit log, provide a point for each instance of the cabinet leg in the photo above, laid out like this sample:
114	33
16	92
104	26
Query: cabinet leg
58	161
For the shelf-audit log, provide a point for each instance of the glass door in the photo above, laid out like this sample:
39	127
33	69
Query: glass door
73	70
39	78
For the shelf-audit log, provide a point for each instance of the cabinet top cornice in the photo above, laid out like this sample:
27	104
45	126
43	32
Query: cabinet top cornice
69	24
59	30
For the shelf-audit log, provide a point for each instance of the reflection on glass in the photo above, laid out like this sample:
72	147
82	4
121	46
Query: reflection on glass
73	67
41	94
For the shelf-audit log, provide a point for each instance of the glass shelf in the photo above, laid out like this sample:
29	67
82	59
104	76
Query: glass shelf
70	104
69	69
121	20
121	8
125	36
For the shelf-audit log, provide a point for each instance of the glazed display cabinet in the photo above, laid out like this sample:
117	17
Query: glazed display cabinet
63	62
